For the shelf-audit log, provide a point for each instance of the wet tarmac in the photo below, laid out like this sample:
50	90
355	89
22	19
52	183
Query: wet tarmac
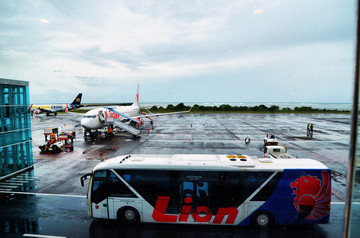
57	204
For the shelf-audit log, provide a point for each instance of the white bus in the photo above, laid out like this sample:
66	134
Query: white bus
210	189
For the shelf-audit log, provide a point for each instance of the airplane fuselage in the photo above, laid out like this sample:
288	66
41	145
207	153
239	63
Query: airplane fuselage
54	108
98	118
37	109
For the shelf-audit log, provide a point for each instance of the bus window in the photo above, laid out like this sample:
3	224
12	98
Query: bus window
188	189
232	189
265	193
151	184
197	191
105	184
99	191
202	189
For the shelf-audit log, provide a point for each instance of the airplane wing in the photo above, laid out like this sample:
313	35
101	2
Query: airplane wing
76	113
160	114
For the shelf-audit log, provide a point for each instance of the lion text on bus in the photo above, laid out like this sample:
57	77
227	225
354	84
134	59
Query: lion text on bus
199	214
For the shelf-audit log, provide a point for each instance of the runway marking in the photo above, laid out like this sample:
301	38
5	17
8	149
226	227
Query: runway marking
47	236
44	194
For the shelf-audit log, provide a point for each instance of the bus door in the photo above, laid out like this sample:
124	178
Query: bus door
103	184
99	198
195	202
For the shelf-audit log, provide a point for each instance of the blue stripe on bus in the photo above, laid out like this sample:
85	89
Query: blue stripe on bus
284	202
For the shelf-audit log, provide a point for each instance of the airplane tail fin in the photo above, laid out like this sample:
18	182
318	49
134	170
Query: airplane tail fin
77	101
136	102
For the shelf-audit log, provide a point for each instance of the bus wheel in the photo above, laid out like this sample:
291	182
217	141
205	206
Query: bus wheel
262	219
128	215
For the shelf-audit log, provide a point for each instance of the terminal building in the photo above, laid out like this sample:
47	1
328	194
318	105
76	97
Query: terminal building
15	127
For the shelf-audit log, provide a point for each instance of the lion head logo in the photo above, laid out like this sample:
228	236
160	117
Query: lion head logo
312	198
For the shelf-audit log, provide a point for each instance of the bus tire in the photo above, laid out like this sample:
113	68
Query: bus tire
262	219
128	215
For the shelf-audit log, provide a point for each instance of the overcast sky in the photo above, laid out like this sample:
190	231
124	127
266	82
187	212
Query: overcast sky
180	51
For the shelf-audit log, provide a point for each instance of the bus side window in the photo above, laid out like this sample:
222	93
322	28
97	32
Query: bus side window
117	188
202	189
105	184
188	189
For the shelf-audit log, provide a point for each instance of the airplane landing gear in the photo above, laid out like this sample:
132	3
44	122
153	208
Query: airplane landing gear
92	135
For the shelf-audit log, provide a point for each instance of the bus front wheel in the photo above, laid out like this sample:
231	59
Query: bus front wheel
128	215
262	219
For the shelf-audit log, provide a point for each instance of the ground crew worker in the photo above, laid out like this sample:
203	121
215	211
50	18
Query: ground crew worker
308	129
52	140
247	140
111	131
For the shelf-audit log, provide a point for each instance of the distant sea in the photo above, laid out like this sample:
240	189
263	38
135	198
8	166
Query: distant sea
292	105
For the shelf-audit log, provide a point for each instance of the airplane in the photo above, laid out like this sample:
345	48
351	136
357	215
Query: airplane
38	109
127	118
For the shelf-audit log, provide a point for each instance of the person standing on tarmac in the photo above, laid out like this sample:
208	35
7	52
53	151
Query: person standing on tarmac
247	140
308	130
311	129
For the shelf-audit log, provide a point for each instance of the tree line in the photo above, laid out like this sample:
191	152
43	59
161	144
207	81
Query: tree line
228	108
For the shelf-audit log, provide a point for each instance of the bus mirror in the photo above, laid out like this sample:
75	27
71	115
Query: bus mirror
84	177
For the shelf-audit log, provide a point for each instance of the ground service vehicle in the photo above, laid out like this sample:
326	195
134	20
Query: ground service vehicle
56	142
276	152
210	189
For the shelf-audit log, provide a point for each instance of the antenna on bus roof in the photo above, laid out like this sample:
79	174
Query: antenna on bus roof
126	157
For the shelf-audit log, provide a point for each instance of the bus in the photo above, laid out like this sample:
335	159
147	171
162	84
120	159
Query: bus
210	189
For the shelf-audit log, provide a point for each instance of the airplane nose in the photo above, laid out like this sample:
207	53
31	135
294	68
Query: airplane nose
85	122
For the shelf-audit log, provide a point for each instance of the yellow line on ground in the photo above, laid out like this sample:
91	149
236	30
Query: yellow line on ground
46	158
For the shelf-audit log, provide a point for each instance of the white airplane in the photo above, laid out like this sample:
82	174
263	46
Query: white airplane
127	118
38	109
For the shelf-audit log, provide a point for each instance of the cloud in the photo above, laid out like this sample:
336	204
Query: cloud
258	11
44	21
126	42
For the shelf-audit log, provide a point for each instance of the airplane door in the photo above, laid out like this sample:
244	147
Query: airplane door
101	116
195	202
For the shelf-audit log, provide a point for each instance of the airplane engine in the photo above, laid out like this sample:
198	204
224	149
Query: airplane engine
37	112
